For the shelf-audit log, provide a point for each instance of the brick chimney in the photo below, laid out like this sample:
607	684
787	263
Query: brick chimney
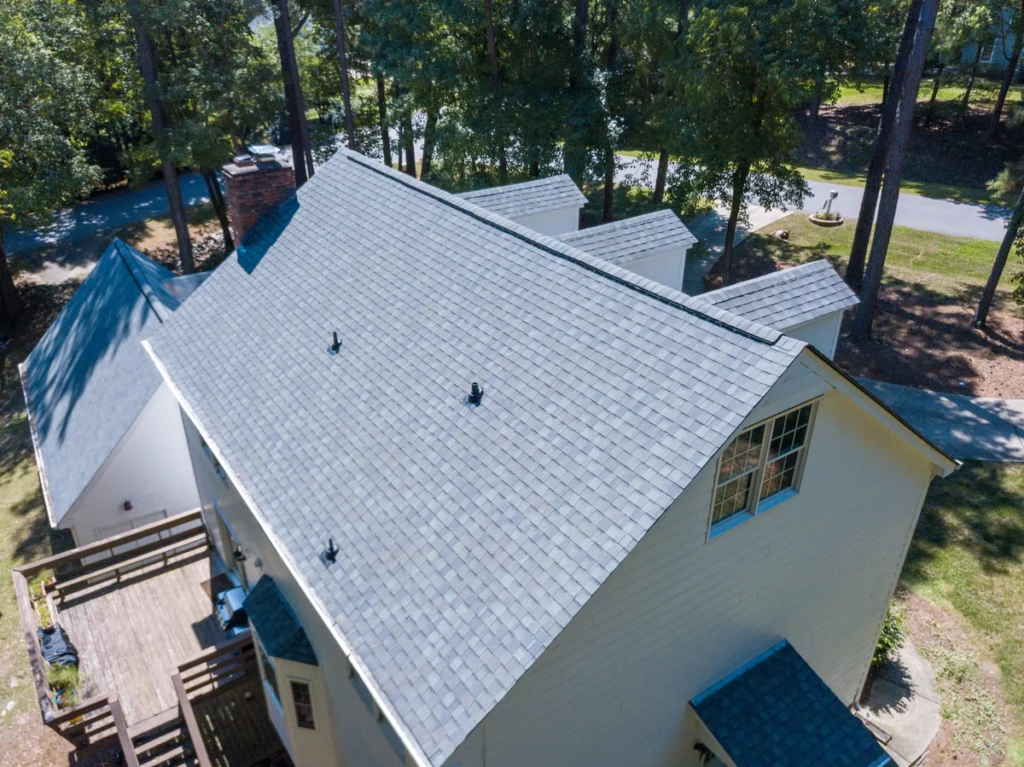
253	184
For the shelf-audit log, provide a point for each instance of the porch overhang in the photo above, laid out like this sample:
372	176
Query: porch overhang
775	710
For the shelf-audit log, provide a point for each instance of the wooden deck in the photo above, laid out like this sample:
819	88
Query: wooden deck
132	635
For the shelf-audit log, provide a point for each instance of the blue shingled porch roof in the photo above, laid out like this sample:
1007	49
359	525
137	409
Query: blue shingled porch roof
280	632
776	711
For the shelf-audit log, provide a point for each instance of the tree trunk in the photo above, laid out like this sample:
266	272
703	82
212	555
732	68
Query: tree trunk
492	58
220	207
965	102
935	92
429	140
534	168
739	188
893	174
1011	70
885	83
608	202
880	154
147	65
382	109
575	149
661	178
10	301
1012	228
815	105
302	153
346	94
406	134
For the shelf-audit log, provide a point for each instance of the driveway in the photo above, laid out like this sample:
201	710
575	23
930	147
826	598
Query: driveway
107	211
976	428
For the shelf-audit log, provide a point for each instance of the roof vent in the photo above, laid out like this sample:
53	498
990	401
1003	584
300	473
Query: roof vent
332	551
335	347
243	160
476	395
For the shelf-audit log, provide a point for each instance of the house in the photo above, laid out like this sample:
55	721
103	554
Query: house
806	302
108	435
996	49
549	206
496	500
652	245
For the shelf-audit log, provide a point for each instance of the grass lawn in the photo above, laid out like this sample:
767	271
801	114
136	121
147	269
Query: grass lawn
968	556
939	261
983	94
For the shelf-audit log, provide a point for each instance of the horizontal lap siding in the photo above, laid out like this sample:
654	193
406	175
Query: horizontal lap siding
680	612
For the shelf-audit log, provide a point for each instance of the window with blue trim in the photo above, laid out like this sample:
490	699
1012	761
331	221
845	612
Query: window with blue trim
760	467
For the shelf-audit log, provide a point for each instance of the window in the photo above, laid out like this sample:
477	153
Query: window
303	700
988	49
269	673
760	467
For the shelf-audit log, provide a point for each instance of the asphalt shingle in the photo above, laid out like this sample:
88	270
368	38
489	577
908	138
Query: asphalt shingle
280	632
631	239
89	378
528	197
470	536
777	711
787	298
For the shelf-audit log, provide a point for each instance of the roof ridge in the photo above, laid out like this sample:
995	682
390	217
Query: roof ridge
770	277
518	184
140	279
758	333
625	223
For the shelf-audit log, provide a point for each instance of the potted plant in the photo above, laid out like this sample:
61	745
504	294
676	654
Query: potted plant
63	680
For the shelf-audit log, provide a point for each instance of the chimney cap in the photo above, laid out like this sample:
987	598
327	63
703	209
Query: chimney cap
263	152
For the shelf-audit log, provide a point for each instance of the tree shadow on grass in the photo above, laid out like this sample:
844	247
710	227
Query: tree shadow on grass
979	510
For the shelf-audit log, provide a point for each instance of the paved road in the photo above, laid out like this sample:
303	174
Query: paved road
981	428
108	211
985	222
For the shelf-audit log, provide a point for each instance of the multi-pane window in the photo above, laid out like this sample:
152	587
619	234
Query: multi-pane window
760	463
303	700
988	50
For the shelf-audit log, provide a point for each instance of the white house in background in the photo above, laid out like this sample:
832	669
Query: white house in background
108	434
549	206
653	245
531	509
805	302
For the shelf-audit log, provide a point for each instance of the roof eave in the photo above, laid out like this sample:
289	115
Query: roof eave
943	463
40	466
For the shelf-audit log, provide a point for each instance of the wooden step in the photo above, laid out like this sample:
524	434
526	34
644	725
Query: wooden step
170	736
180	755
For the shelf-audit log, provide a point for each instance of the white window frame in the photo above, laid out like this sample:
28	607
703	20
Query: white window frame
292	681
983	59
757	506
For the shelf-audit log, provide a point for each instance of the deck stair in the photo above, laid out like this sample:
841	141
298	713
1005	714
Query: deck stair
165	743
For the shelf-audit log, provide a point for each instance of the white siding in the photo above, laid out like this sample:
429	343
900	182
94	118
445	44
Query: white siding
666	267
149	467
357	738
682	611
822	333
552	222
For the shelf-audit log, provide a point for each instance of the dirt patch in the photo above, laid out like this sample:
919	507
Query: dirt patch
926	342
976	719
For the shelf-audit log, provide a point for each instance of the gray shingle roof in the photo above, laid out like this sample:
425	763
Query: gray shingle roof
88	378
788	297
777	711
469	536
622	242
280	632
528	197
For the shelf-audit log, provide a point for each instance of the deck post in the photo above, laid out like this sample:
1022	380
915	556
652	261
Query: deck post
194	733
127	747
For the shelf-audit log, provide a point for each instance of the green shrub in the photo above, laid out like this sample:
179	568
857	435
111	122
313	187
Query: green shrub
891	639
63	677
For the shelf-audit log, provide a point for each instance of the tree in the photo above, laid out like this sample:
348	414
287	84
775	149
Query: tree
346	95
753	64
1012	178
880	153
45	97
148	67
894	172
302	152
1011	17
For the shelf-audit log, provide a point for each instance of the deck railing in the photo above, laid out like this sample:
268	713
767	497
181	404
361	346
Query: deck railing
218	668
83	568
